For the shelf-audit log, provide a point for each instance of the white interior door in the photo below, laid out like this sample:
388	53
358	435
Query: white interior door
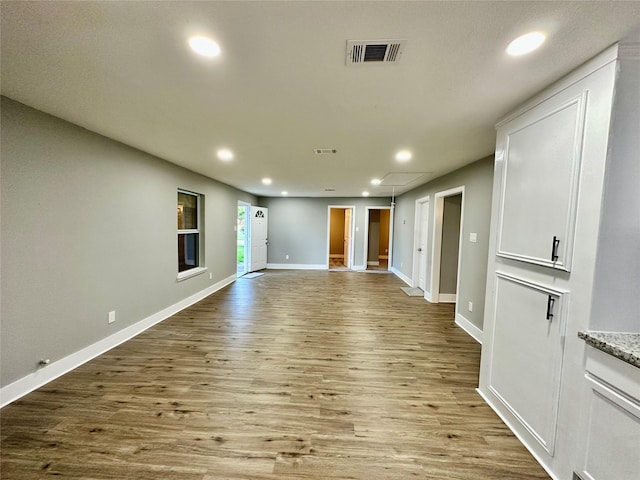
422	246
347	237
259	241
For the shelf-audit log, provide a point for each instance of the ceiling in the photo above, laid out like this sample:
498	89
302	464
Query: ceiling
280	87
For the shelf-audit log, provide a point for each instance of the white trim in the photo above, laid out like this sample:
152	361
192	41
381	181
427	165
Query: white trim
469	327
359	267
192	272
421	203
428	297
517	434
296	266
401	276
44	375
447	298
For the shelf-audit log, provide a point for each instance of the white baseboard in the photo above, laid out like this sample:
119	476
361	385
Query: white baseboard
523	441
336	255
402	276
44	375
428	297
469	327
296	266
358	268
447	298
373	264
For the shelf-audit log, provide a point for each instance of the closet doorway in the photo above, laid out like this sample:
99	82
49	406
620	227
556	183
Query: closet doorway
447	242
340	234
378	237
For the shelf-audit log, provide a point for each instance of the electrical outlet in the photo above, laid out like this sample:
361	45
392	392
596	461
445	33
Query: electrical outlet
210	275
471	306
286	257
473	237
112	316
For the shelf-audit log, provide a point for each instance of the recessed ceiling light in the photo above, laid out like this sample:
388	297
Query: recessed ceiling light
266	181
403	156
204	46
225	154
525	44
365	194
375	181
285	193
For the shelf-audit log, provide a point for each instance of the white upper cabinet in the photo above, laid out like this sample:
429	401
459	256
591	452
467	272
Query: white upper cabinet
541	154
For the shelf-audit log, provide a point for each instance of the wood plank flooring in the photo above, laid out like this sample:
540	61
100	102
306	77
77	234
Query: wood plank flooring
291	375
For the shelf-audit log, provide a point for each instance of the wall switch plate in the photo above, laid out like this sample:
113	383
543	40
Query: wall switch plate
471	306
210	275
286	257
112	316
473	237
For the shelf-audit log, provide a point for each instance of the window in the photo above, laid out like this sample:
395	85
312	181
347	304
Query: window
188	231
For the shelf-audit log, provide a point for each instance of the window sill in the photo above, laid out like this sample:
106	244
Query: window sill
190	273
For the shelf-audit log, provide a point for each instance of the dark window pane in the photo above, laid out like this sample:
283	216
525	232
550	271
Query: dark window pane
187	251
187	211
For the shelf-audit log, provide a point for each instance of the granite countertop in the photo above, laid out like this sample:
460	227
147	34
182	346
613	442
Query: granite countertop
625	346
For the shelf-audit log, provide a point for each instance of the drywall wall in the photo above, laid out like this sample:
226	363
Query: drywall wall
298	228
89	226
477	179
450	243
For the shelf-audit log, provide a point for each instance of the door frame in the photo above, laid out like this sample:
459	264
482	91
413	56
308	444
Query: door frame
421	203
366	234
351	245
436	250
247	236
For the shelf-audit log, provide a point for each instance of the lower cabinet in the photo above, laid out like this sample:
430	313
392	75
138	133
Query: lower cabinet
612	448
526	367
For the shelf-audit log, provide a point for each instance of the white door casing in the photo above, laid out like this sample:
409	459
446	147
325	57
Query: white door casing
259	240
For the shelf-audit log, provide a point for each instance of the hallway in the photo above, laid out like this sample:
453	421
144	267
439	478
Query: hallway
294	374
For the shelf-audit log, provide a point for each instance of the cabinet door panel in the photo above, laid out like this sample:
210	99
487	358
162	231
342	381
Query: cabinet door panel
541	166
527	354
613	437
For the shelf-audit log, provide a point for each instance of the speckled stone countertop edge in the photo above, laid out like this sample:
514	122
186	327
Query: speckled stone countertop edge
625	346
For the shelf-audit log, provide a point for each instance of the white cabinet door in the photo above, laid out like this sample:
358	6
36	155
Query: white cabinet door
527	354
541	165
613	435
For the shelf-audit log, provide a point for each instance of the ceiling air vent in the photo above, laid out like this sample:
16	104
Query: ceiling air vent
325	151
361	52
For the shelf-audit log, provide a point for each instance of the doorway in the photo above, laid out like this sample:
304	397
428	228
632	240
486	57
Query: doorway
420	243
447	245
243	238
378	238
340	237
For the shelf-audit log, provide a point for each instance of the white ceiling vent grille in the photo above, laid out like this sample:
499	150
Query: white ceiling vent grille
325	151
362	52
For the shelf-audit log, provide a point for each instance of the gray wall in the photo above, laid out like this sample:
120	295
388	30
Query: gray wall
298	227
88	226
478	181
450	243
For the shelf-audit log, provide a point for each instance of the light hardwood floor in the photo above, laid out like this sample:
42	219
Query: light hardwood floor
291	375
